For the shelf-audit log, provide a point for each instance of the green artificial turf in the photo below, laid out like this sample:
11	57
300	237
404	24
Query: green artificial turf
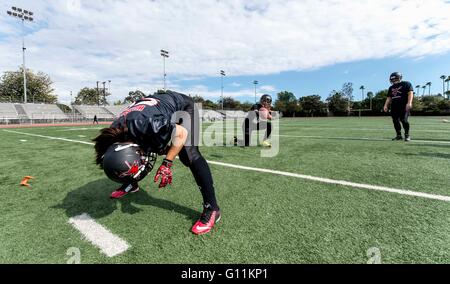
267	218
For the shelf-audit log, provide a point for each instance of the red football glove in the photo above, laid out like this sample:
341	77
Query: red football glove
165	173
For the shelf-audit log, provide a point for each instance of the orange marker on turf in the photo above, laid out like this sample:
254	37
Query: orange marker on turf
24	181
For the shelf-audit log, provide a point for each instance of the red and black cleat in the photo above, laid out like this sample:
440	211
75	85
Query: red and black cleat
207	220
124	190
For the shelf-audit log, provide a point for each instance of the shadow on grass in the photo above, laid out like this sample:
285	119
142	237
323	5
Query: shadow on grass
430	155
93	199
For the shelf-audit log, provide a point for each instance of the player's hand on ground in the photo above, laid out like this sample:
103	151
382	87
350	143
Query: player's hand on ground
165	173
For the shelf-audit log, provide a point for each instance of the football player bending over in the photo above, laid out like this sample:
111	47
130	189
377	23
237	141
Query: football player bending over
163	123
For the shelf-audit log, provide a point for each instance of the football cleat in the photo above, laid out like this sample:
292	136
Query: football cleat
266	143
397	138
124	190
207	220
407	138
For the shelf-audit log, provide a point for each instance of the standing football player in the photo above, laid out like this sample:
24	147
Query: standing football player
163	123
400	98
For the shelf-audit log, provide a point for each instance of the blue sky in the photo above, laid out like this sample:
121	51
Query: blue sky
326	43
372	74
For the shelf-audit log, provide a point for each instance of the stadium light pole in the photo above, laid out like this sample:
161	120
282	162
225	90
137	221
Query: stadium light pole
418	89
255	83
104	93
424	88
98	95
222	73
164	54
109	86
23	15
71	104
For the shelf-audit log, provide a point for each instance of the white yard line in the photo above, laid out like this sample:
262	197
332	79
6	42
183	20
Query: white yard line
99	236
76	129
295	175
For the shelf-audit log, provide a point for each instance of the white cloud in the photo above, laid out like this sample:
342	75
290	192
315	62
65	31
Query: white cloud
234	84
268	88
80	42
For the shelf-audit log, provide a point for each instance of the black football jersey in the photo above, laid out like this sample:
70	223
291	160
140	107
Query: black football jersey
399	93
151	121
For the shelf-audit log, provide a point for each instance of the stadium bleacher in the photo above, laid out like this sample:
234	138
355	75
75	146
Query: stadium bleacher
116	110
43	111
8	111
90	111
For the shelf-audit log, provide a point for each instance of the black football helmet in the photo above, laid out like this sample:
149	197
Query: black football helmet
127	163
266	99
396	76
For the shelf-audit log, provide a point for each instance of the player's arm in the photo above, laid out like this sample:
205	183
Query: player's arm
178	140
410	100
387	103
164	172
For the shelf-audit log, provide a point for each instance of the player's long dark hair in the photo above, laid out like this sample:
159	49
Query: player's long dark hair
106	138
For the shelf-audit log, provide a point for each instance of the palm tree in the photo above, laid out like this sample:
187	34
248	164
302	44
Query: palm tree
423	87
447	92
429	88
418	89
362	89
443	77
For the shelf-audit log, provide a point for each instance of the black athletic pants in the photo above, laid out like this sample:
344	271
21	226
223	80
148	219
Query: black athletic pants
191	157
400	115
249	128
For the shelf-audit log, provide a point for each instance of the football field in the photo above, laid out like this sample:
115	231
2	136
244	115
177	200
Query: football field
339	191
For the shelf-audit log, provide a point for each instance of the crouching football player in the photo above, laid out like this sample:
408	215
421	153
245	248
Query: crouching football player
259	118
163	123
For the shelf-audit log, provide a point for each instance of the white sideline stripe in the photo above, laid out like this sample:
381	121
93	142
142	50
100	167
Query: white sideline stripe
99	236
76	129
49	137
300	176
338	182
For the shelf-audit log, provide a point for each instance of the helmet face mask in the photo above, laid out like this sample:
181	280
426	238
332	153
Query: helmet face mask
395	77
266	100
127	163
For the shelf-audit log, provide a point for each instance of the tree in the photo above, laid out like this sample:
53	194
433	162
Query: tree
429	88
338	103
229	103
246	106
362	88
208	104
118	103
312	105
39	87
287	103
443	77
198	99
418	89
133	96
432	104
90	96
